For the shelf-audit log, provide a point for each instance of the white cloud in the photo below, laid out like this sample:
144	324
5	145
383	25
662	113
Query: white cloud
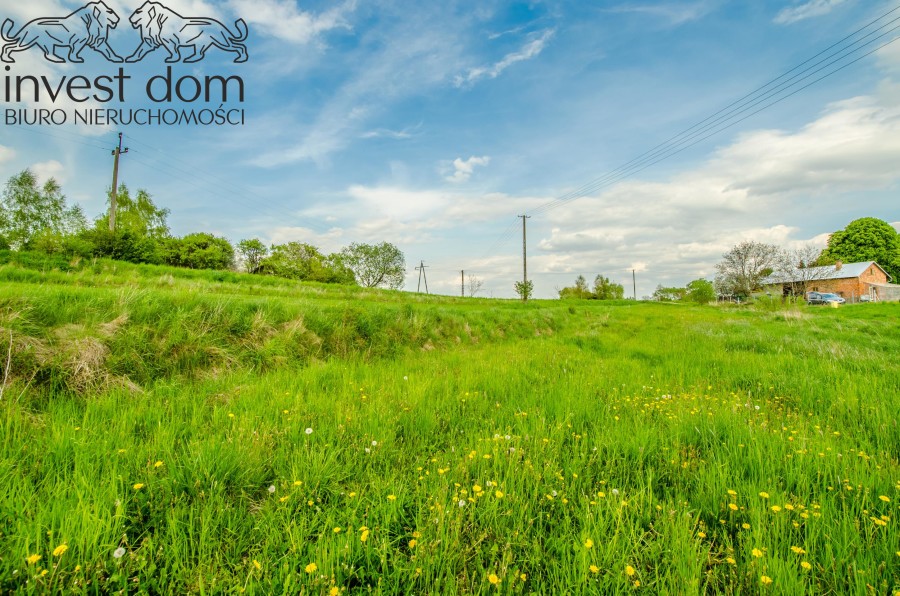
49	169
530	50
6	154
807	10
464	169
282	18
674	13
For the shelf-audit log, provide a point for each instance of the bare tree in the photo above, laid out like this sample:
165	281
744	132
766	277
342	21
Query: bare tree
744	266
473	285
796	269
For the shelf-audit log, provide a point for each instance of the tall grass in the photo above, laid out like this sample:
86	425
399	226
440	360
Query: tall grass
617	449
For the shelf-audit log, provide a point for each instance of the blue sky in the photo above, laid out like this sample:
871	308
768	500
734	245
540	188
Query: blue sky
433	125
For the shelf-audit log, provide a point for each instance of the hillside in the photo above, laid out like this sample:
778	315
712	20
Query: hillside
175	431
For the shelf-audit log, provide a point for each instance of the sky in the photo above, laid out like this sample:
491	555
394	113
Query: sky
434	125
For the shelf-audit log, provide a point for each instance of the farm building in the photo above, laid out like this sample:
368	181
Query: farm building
854	282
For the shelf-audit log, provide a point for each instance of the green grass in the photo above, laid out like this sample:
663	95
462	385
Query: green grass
621	426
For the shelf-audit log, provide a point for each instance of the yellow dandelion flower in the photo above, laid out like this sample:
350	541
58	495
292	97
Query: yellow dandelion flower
476	488
629	571
594	569
337	530
413	543
138	486
334	591
885	499
283	499
806	565
776	508
311	568
765	580
588	543
59	550
158	464
730	561
498	494
364	536
733	506
764	495
494	579
756	553
298	482
392	497
32	559
637	583
732	493
523	577
44	572
257	564
798	550
745	526
701	534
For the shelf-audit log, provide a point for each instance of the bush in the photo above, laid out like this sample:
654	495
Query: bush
199	251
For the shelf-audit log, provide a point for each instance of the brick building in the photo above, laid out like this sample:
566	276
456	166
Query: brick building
851	281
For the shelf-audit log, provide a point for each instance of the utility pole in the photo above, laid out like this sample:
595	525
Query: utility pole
462	282
524	257
634	284
421	270
115	184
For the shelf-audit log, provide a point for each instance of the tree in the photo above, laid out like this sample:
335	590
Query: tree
664	294
744	266
473	285
253	251
579	291
375	265
524	289
27	209
701	291
199	251
799	267
866	239
138	215
604	289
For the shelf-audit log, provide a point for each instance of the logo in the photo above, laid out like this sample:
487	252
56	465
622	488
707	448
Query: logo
159	27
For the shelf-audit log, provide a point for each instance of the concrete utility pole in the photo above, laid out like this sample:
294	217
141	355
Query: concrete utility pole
634	284
462	282
421	270
524	256
115	184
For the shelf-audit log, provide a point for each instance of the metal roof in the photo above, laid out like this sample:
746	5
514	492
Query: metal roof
847	271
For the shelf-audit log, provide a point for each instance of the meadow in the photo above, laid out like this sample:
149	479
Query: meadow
169	431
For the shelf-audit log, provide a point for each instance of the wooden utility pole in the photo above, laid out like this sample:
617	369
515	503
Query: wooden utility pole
634	284
462	282
421	270
524	260
115	184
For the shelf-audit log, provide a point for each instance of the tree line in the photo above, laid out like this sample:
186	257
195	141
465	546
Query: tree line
37	218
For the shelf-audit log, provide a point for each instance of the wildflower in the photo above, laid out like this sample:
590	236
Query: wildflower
413	543
158	464
119	553
701	534
885	499
806	566
588	543
594	569
494	579
44	572
59	550
311	568
308	431
392	497
601	494
271	488
732	506
765	580
257	564
732	493
764	495
32	559
298	482
629	571
756	553
637	583
374	443
797	550
776	508
334	591
498	494
337	530
138	486
351	495
364	536
462	503
745	526
730	561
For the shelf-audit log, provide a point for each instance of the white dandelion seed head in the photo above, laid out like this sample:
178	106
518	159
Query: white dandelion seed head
119	553
462	503
309	431
368	450
615	491
757	407
507	437
271	488
405	378
374	443
553	493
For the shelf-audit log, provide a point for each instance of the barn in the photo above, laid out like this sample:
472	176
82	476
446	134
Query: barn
854	282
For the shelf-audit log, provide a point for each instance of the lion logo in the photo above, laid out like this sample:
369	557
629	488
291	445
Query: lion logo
86	27
163	27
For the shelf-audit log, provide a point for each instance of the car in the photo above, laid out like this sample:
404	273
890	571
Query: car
823	298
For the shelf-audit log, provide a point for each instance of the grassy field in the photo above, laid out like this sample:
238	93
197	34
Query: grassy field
169	431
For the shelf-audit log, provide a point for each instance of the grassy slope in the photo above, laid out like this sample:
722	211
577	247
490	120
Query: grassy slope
618	426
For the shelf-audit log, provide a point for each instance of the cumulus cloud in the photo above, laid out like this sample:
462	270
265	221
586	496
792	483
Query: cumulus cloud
807	10
284	20
464	169
6	154
49	169
530	50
